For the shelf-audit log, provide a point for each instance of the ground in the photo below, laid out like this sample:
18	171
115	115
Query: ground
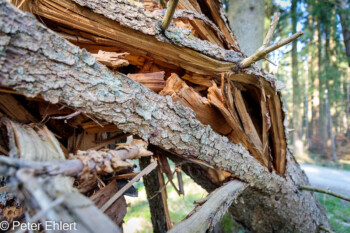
138	218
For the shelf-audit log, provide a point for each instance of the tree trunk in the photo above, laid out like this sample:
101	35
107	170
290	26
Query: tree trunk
158	216
327	105
330	128
306	112
37	62
347	105
247	14
297	143
343	12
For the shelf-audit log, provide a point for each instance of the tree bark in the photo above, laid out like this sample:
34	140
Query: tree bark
35	61
47	198
247	14
158	216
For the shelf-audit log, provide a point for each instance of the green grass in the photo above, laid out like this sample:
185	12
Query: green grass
338	212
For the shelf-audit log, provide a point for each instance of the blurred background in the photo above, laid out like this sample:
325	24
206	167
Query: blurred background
316	75
314	69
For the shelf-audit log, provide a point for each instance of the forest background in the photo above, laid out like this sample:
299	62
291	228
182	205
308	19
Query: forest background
314	70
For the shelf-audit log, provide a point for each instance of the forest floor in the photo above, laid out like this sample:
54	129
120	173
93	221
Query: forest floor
326	174
336	180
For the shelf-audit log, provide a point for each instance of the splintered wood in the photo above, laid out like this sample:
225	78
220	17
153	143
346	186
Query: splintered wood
69	123
187	76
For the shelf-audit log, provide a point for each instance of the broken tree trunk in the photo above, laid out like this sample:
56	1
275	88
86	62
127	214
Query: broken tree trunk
36	62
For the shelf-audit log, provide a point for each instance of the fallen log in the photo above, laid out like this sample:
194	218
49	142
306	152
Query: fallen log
34	61
210	60
93	89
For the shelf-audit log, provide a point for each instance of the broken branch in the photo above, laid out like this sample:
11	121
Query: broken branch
271	30
169	14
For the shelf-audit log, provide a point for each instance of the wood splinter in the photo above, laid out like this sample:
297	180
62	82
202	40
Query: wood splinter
144	172
265	49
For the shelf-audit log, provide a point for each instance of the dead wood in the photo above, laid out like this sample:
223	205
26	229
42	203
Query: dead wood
38	193
115	197
159	216
43	7
154	81
110	59
117	211
204	217
146	36
74	78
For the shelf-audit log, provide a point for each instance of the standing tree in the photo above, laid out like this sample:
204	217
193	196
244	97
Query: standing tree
247	14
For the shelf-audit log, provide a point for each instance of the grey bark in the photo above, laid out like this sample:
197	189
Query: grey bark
247	22
35	61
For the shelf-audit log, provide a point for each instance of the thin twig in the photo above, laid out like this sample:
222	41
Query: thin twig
181	191
313	189
67	117
325	229
169	14
145	171
160	190
270	61
19	6
271	30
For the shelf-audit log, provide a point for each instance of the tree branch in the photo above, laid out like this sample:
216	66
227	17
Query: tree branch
319	190
169	14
